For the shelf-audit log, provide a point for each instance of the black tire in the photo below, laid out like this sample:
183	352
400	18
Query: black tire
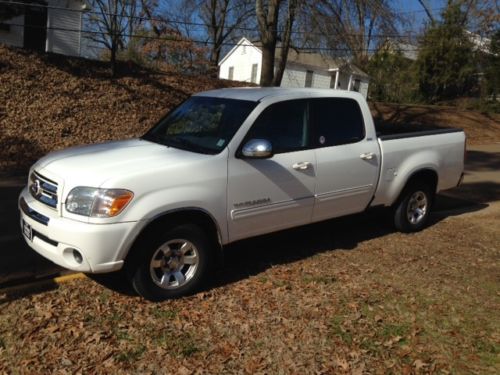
412	211
152	266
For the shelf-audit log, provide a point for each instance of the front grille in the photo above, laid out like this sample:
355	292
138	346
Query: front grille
43	189
37	216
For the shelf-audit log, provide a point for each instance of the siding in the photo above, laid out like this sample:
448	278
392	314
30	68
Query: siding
296	77
62	41
242	60
15	36
58	41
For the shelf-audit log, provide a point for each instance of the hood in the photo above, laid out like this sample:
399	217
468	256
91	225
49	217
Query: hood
93	165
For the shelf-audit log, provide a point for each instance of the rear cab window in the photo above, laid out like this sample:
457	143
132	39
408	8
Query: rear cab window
336	121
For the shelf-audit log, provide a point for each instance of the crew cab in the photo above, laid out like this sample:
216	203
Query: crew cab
223	166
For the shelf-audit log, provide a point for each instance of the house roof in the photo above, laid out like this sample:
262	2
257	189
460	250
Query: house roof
319	61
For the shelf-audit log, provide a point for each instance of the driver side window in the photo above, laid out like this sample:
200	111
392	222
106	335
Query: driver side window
285	125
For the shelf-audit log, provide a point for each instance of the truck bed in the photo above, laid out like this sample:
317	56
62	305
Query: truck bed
390	133
440	150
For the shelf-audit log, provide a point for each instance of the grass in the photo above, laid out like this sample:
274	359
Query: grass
166	314
131	355
184	345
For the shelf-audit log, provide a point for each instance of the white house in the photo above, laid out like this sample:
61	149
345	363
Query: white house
50	26
303	69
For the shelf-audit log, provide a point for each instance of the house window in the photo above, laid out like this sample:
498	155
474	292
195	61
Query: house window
231	73
309	78
253	79
332	82
357	85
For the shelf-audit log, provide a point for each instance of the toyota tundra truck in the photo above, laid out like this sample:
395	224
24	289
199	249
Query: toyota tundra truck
223	166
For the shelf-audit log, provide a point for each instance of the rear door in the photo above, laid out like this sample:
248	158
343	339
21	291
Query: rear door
265	195
347	160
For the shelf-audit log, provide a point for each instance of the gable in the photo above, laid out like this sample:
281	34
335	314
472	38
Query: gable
241	43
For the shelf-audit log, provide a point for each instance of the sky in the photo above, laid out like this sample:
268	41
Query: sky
415	11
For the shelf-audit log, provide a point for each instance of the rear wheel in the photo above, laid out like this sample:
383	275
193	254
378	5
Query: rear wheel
413	210
171	263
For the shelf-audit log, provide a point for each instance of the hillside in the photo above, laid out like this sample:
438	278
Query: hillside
49	102
481	128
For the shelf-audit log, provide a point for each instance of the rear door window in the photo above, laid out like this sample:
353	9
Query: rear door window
336	121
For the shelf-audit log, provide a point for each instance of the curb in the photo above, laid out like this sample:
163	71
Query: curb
40	285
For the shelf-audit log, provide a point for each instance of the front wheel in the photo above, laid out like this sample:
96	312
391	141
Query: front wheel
172	263
413	210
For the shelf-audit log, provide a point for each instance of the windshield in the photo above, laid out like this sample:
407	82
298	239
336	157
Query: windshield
201	124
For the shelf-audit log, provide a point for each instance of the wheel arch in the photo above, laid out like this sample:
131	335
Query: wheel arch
190	215
427	175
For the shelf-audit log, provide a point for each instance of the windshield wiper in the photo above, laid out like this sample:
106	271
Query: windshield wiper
153	138
186	144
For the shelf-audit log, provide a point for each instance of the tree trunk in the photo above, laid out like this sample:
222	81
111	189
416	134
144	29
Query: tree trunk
113	59
285	45
268	58
268	23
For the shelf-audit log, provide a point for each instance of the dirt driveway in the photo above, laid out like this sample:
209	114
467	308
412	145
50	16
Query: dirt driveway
343	296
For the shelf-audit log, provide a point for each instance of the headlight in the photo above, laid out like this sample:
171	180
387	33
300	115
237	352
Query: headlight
88	201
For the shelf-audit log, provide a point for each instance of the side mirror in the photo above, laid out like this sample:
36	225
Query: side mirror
257	149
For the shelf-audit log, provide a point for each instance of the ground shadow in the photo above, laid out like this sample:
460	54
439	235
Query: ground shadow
478	192
18	291
17	154
253	256
18	262
482	161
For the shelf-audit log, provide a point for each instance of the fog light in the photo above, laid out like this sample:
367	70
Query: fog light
78	257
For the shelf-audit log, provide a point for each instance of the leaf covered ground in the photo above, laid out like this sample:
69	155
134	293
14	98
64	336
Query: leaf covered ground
49	102
344	296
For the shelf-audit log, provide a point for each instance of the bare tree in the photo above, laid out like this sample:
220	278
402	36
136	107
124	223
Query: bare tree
427	8
111	24
222	18
217	22
268	16
353	27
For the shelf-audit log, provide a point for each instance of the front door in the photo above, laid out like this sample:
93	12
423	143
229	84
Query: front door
266	195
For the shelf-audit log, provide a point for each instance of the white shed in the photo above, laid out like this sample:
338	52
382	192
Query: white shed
47	26
303	69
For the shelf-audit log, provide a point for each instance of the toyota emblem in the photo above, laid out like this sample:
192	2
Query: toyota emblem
36	188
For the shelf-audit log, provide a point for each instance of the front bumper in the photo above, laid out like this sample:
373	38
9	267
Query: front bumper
56	238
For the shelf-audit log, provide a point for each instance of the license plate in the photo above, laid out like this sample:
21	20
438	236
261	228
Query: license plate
27	231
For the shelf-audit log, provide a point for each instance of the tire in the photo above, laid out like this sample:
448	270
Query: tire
413	209
171	263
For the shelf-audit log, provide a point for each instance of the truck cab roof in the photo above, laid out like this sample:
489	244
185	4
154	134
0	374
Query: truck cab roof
257	94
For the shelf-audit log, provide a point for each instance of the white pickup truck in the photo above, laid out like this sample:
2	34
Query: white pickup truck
223	166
